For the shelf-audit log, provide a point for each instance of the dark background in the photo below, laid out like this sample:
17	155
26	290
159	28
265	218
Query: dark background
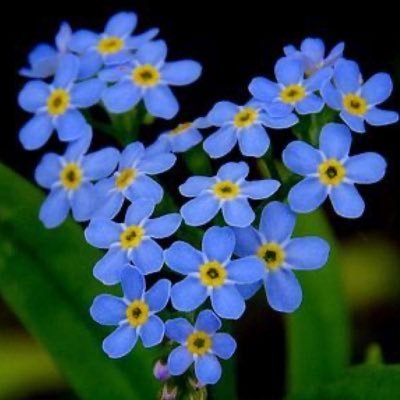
235	42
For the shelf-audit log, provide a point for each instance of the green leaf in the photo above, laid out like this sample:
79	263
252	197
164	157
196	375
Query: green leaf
46	278
359	383
318	334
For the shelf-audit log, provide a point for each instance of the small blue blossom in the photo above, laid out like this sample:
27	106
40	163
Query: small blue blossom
134	314
69	179
148	78
45	59
293	91
212	273
331	172
312	54
228	191
281	255
114	46
56	105
131	181
131	241
244	124
357	100
201	345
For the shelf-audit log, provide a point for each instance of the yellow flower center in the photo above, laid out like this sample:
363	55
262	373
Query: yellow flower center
125	178
110	45
226	190
292	94
355	104
199	343
213	274
146	75
245	117
272	254
137	313
58	102
71	176
331	172
131	237
181	128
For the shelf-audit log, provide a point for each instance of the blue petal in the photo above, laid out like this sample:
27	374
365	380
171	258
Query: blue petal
181	73
354	122
152	332
110	202
261	189
91	62
113	74
227	302
185	142
279	122
77	148
222	113
307	195
71	125
263	89
312	104
120	342
233	171
346	201
248	291
253	141
156	164
63	37
67	71
314	49
121	97
108	310
247	241
195	185
109	268
100	164
121	24
102	233
208	322
183	258
331	96
163	226
289	71
148	257
377	88
220	142
54	209
301	158
283	290
83	202
335	54
188	294
158	295
379	117
82	40
161	102
307	253
207	369
290	50
87	94
137	41
133	283
153	53
33	96
179	361
178	329
246	270
200	210
277	222
238	213
224	345
36	132
48	171
218	244
277	109
318	79
145	187
365	168
131	155
347	76
335	141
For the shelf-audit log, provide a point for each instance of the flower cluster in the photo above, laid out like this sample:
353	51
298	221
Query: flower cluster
246	225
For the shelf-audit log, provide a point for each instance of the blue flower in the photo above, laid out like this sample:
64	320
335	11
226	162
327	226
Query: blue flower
134	314
44	59
114	46
292	91
330	171
244	124
357	100
148	77
281	255
69	179
131	181
212	273
130	241
56	105
200	344
312	54
228	191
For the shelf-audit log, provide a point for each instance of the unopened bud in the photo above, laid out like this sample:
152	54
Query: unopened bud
169	393
160	371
